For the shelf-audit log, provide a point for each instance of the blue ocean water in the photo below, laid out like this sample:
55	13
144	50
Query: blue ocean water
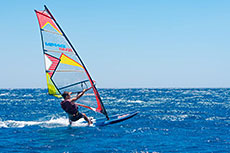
170	120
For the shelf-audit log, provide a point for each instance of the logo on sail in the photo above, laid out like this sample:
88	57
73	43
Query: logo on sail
61	47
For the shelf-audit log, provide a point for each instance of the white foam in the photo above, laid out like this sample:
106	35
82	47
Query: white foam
135	101
109	98
215	118
4	94
51	123
173	117
2	125
27	95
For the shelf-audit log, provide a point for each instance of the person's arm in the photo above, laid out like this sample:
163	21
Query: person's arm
79	95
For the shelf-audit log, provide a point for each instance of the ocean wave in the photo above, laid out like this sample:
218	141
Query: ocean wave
217	118
172	117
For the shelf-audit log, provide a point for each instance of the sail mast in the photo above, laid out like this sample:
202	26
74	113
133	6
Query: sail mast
91	81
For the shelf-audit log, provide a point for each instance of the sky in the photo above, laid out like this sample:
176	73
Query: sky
123	43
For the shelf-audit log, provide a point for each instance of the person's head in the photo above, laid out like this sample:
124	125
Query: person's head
66	95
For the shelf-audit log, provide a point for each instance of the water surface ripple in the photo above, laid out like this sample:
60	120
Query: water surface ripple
170	120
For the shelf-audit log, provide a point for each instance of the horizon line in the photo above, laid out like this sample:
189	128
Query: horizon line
136	88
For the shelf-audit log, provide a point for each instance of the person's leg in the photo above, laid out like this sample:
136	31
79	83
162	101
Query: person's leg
86	118
70	119
70	122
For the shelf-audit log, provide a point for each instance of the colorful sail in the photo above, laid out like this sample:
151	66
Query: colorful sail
65	71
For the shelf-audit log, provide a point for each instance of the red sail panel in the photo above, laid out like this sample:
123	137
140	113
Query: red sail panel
44	19
99	108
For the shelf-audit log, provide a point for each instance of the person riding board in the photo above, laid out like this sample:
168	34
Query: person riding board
69	106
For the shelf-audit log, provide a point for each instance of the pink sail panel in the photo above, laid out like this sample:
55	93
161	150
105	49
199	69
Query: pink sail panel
51	64
44	19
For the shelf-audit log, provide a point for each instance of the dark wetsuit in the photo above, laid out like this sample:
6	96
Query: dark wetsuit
71	109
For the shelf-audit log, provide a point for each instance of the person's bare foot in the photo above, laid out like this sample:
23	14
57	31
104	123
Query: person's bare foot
90	122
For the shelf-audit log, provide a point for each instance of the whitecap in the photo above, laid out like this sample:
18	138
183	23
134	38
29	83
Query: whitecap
135	101
4	94
173	117
2	124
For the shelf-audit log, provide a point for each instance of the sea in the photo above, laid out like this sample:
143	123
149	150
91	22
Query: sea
169	120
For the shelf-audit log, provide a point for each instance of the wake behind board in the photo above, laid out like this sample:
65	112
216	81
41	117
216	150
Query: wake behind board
113	119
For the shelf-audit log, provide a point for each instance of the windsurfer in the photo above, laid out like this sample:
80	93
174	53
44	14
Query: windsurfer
69	106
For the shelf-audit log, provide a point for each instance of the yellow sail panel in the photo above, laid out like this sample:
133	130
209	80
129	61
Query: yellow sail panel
67	60
51	88
52	25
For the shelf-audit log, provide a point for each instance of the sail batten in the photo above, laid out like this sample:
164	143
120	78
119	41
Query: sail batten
52	32
60	56
73	84
58	51
69	71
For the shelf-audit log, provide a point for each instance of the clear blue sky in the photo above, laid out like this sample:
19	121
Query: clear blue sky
124	43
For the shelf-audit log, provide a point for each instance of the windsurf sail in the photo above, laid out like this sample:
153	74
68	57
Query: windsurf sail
65	71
